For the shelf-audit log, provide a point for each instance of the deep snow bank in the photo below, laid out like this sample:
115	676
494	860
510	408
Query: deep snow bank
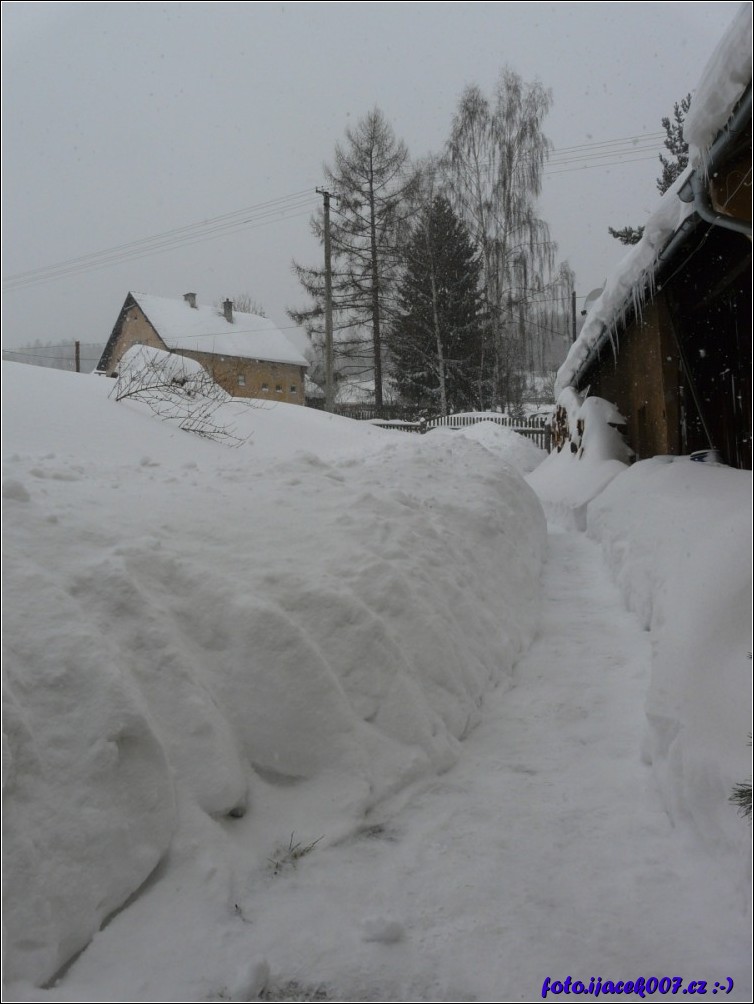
677	537
324	606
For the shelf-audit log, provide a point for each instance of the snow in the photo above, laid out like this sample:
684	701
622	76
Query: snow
204	329
307	719
501	440
188	621
567	480
720	87
677	536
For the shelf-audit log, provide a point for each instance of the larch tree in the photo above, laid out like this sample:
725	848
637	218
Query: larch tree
436	336
494	163
373	183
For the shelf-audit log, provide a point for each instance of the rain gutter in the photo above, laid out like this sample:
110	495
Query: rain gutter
695	189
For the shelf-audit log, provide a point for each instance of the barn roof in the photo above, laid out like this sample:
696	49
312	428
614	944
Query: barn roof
709	125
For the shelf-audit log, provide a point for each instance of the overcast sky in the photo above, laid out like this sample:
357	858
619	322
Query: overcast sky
128	120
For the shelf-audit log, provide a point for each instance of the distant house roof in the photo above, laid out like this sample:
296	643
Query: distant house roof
724	82
203	329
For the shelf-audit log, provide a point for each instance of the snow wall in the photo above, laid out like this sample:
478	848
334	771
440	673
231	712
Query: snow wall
322	608
677	537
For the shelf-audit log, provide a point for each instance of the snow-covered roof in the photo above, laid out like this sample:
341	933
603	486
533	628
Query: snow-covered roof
720	88
625	285
203	329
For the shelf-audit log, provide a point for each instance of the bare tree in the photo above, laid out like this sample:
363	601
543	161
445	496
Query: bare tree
494	161
245	303
177	390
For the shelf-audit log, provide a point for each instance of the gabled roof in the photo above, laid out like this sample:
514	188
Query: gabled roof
202	329
708	126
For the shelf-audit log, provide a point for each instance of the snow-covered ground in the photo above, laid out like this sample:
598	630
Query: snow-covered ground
293	717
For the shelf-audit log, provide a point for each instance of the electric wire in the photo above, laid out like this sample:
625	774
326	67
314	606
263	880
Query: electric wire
605	154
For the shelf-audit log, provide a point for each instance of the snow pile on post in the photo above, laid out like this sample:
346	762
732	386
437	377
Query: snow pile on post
193	630
590	452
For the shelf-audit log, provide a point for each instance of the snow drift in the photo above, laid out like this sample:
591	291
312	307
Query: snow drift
677	537
322	608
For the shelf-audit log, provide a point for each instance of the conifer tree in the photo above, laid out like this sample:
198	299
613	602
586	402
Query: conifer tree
436	338
675	144
374	183
671	168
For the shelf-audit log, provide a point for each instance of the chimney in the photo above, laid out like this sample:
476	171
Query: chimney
228	310
190	299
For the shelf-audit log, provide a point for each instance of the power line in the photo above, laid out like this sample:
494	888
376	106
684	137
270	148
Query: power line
590	167
294	207
611	152
202	224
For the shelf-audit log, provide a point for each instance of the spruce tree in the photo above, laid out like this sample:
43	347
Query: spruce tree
436	338
675	144
671	168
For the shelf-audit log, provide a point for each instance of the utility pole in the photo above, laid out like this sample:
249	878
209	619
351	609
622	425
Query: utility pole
573	315
329	384
77	347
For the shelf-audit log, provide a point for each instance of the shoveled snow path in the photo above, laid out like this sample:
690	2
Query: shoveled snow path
544	852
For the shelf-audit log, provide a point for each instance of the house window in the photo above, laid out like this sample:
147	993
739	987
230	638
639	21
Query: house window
265	386
278	389
241	380
293	388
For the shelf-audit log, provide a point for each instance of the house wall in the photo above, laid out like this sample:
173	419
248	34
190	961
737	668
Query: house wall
135	329
645	385
254	378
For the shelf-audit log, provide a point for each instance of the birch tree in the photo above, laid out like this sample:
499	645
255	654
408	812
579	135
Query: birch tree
494	162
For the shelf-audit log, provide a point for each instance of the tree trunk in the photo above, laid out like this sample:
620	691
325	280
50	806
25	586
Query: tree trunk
376	337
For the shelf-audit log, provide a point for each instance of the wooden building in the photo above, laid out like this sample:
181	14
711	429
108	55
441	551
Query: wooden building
669	341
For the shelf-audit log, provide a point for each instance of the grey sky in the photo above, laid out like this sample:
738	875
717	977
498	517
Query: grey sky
122	121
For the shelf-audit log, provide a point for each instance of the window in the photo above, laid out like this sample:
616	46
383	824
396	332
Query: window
278	389
265	386
293	388
241	380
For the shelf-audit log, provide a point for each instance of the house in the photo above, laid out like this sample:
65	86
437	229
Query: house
669	340
245	353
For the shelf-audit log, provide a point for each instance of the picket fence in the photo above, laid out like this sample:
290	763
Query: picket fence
536	427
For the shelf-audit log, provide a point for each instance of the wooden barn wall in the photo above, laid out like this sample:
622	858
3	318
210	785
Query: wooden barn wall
644	386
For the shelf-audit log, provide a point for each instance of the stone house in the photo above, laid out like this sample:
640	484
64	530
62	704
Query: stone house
244	353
